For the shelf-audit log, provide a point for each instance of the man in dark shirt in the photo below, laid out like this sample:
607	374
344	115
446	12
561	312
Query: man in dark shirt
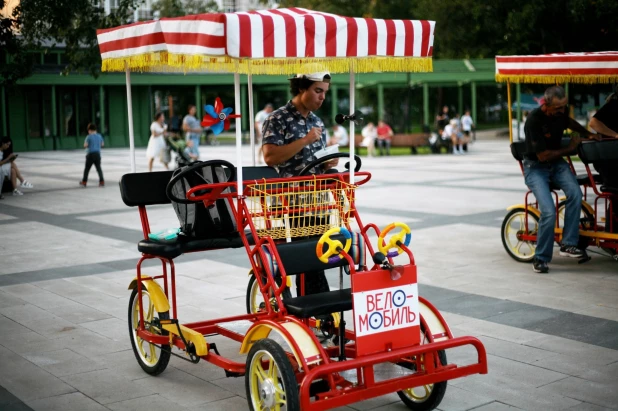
543	164
605	121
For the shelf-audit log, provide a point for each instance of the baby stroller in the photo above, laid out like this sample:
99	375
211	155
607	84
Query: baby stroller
177	146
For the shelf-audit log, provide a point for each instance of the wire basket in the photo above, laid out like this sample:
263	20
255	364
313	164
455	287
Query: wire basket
300	207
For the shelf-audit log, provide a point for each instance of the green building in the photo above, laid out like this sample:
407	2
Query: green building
48	111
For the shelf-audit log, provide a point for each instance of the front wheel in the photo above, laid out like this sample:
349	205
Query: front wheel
270	382
514	227
425	397
150	357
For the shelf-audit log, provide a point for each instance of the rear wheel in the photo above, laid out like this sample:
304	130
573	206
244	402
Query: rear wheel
425	397
514	227
270	382
586	222
255	300
150	357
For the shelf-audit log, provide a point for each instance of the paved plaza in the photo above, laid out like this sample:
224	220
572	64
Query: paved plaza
69	254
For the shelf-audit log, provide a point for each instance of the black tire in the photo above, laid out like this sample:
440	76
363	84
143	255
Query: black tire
254	299
512	226
434	393
586	222
159	358
266	394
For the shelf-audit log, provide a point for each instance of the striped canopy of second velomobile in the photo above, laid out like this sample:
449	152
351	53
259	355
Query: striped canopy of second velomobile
278	41
587	68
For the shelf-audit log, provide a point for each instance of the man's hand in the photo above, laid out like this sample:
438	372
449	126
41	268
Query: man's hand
596	137
315	134
575	141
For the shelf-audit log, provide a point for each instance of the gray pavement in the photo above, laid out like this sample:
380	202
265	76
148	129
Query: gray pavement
69	253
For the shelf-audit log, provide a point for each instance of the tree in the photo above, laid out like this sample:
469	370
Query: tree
70	24
16	66
200	6
169	8
486	28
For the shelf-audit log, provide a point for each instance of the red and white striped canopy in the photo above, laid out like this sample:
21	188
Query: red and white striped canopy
278	41
592	67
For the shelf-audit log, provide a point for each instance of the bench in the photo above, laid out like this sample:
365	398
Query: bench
413	141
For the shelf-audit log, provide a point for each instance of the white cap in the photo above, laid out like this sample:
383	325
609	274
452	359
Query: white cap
453	122
314	72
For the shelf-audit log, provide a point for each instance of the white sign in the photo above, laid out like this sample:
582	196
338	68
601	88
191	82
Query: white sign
386	309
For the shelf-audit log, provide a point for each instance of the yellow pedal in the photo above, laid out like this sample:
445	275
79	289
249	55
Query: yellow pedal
198	340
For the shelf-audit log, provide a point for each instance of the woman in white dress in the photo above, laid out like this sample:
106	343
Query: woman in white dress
156	144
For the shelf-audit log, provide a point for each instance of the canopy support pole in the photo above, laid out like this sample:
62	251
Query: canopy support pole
238	134
130	114
508	94
351	139
251	117
518	96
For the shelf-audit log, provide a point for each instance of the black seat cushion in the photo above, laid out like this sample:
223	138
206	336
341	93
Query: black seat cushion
183	245
319	304
583	179
608	189
166	250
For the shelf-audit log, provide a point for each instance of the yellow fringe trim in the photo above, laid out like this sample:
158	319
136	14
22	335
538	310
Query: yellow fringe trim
549	79
167	62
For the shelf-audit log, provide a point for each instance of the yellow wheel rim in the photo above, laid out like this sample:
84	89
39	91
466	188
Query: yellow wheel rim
515	226
267	393
419	394
148	352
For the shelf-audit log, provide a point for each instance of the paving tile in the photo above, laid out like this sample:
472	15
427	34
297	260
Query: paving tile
154	402
494	406
227	404
73	401
63	362
78	313
516	393
107	387
183	389
597	393
19	380
9	300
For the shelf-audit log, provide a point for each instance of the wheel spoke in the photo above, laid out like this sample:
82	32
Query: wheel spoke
272	369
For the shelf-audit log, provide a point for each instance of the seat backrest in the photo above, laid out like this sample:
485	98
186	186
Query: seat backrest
258	173
143	189
518	149
598	151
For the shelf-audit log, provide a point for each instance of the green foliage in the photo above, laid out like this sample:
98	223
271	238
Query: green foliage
177	8
200	6
169	8
69	24
13	58
486	28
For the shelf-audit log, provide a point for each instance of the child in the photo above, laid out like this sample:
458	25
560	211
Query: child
191	151
93	144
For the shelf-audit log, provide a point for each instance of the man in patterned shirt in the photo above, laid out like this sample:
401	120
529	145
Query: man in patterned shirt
292	135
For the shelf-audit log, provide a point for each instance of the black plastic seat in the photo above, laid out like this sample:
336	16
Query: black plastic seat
181	246
314	305
583	179
608	189
146	189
